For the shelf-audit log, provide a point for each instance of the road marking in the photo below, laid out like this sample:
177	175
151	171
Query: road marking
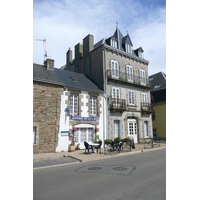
59	165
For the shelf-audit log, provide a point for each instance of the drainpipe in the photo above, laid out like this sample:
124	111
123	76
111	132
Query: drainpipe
106	96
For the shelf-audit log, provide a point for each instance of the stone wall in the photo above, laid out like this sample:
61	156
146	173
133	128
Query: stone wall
46	115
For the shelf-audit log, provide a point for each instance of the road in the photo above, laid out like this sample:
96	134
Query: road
138	176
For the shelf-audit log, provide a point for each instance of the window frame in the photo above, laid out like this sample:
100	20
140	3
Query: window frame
72	106
115	96
129	69
142	77
144	98
114	69
132	97
93	105
113	43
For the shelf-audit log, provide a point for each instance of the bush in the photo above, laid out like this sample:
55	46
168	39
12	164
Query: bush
107	141
126	139
117	140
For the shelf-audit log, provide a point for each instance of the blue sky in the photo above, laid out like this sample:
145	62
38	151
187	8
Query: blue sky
65	23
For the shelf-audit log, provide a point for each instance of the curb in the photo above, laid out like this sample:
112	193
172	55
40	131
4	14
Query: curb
80	160
119	154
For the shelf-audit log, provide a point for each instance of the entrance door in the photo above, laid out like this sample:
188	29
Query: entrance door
146	129
116	129
132	129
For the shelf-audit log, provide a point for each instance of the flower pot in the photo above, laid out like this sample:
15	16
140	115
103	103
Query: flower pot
71	148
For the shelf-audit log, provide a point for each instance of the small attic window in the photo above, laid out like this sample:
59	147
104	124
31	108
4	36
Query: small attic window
74	78
128	48
140	54
151	79
157	86
113	43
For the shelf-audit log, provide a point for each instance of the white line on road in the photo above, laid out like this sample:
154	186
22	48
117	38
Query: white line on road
50	166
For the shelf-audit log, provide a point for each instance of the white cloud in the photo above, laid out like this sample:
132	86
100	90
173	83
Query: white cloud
66	23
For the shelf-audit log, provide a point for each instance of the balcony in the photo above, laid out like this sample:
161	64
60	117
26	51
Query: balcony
146	107
117	75
117	104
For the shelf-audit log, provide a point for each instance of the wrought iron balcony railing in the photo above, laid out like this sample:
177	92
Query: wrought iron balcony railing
116	103
113	74
146	107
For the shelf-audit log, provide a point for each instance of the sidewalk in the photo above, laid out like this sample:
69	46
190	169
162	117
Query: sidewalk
82	157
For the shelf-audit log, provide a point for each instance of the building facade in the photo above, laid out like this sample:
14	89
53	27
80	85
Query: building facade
64	102
158	94
122	73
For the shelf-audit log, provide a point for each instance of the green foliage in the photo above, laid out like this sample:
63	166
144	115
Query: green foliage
107	141
117	140
126	139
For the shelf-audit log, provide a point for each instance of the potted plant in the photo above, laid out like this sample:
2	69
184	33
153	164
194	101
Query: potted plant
72	145
126	139
77	147
117	140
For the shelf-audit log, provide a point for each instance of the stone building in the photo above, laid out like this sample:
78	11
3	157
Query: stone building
123	76
64	102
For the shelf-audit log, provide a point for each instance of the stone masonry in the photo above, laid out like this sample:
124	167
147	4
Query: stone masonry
46	115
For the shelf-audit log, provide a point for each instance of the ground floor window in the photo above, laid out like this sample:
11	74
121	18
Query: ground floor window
116	128
84	135
146	129
34	135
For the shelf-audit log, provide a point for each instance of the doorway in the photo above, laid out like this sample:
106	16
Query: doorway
132	129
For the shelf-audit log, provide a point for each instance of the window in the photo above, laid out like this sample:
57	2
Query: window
34	135
74	78
157	86
144	98
74	104
113	43
128	48
142	77
115	69
140	54
131	97
93	106
115	93
83	135
116	128
129	71
90	135
146	129
76	135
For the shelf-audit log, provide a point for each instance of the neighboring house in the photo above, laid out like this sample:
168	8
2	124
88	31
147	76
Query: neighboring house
64	102
122	73
158	92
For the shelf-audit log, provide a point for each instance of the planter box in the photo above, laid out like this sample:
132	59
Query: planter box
71	148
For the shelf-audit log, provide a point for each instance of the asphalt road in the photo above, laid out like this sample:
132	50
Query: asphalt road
138	176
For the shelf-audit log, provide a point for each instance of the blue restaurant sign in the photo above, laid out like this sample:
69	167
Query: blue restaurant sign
84	118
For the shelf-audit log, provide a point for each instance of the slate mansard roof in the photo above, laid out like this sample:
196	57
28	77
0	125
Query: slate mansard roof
158	81
158	87
121	41
63	78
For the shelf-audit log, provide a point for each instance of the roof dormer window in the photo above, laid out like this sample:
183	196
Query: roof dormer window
140	54
113	43
128	48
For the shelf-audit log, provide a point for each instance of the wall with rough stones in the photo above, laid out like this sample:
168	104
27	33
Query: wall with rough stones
46	115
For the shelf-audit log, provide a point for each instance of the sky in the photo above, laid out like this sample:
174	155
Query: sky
65	23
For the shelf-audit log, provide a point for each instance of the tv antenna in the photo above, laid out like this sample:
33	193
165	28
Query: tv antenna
44	42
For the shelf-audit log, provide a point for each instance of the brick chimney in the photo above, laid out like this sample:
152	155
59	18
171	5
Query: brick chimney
49	64
69	57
